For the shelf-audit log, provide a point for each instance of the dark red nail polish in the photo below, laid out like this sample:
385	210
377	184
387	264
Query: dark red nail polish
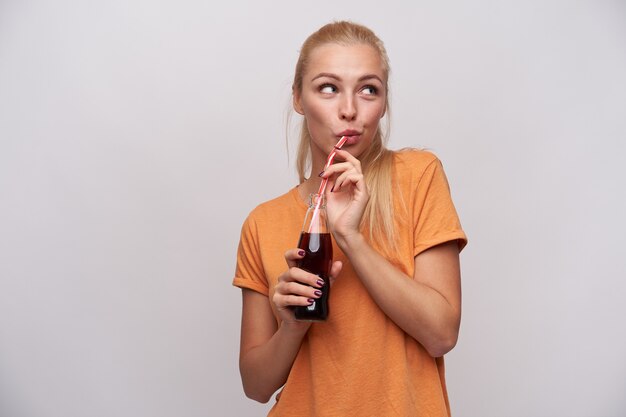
301	253
320	174
310	300
320	282
318	292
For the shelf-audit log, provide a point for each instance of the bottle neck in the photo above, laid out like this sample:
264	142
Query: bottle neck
315	220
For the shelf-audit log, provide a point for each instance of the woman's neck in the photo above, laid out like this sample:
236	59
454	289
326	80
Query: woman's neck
309	186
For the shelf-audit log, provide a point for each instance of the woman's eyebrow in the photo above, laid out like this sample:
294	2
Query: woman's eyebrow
336	77
371	76
326	74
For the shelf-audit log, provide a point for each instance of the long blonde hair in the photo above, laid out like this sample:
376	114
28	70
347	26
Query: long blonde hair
377	160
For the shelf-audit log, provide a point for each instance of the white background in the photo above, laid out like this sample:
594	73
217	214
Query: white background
135	136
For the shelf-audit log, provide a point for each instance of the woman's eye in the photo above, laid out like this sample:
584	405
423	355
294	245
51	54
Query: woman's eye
369	90
327	88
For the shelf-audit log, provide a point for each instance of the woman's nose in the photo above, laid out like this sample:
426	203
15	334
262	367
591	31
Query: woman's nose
347	110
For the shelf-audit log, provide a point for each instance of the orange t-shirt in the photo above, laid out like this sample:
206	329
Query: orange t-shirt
358	362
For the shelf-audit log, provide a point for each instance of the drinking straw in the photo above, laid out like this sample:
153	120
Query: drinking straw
329	161
322	188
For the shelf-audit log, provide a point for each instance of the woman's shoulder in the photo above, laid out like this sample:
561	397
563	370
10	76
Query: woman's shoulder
414	160
277	207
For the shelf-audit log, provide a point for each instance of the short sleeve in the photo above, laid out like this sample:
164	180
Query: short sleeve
249	272
436	217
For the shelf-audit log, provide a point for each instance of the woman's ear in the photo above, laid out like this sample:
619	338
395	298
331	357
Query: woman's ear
297	104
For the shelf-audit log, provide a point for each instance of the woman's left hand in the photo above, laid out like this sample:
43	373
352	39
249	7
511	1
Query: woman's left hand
346	196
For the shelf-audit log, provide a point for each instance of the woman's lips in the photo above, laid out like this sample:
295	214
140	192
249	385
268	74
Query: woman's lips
352	136
352	139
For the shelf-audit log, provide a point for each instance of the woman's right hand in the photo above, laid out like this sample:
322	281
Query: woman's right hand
297	287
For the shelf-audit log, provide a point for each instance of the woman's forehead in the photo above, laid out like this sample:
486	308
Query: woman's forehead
345	59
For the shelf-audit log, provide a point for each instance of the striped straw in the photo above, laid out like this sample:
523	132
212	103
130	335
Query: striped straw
322	188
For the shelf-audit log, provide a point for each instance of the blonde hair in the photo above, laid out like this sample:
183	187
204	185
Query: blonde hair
377	160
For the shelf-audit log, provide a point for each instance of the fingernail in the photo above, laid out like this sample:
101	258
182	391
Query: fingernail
320	282
332	188
320	174
301	252
310	300
318	292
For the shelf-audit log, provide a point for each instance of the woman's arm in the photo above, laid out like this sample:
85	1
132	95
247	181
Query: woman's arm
267	349
427	307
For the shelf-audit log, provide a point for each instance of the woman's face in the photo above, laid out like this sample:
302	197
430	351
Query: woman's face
343	94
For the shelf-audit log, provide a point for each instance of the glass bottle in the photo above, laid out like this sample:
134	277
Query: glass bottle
315	240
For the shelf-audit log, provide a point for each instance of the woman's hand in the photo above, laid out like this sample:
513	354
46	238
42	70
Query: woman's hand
346	196
297	287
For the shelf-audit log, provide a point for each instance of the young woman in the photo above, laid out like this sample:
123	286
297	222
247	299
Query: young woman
395	306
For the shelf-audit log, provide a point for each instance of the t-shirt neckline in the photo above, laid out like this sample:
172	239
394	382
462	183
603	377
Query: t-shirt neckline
296	195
